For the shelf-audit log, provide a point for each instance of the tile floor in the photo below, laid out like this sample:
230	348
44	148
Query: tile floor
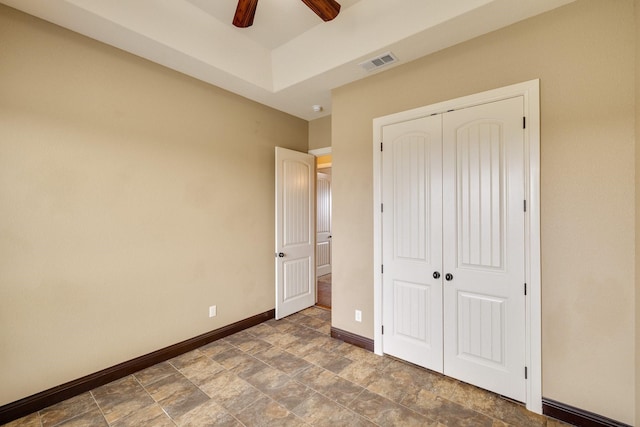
285	373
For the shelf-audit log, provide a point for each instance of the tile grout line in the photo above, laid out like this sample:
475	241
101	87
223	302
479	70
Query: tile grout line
151	396
99	407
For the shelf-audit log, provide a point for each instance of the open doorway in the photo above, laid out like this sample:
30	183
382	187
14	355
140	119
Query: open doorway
323	230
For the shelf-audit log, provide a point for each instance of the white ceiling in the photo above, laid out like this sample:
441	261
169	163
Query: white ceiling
289	59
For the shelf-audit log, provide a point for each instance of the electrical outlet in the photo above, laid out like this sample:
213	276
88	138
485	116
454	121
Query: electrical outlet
213	311
358	316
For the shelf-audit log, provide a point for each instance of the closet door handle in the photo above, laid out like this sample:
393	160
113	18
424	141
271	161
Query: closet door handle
436	275
448	277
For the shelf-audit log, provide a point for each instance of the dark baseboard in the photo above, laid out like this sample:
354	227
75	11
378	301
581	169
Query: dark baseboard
36	402
350	338
575	416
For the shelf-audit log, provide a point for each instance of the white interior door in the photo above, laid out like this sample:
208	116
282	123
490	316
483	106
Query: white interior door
484	193
453	245
323	224
295	231
412	236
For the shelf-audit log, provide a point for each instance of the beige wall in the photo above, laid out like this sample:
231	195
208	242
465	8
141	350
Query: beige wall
131	199
583	54
320	133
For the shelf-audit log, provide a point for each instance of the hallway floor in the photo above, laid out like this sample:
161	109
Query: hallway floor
285	373
324	291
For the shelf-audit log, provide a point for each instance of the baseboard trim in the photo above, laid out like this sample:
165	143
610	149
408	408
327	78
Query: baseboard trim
350	338
36	402
576	416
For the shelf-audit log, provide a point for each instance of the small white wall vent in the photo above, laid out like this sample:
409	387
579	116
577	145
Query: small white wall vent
378	61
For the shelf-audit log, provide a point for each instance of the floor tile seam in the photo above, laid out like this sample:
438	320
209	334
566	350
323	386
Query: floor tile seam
449	401
404	406
309	327
99	407
326	397
224	369
244	408
145	389
245	352
487	413
465	405
355	398
261	361
217	402
236	418
363	389
301	358
175	423
291	411
73	417
155	380
290	377
155	401
39	418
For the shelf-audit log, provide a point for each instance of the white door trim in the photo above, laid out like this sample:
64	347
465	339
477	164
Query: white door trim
320	151
531	92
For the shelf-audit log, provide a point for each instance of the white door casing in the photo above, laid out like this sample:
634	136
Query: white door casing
323	224
412	230
295	231
530	224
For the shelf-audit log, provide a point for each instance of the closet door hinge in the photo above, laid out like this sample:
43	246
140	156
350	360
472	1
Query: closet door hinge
382	268
381	146
526	373
524	123
524	202
382	329
525	289
381	207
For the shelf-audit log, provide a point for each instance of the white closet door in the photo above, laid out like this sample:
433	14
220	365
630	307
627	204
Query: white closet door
483	247
412	235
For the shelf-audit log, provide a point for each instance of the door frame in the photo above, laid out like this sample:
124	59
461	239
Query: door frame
530	90
319	152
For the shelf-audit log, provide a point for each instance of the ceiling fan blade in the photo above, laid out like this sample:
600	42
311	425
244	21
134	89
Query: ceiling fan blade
245	11
325	9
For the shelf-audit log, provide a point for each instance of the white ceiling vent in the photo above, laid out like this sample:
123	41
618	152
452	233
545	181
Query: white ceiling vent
378	61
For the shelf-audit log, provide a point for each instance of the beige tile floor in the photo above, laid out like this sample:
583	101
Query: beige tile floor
285	373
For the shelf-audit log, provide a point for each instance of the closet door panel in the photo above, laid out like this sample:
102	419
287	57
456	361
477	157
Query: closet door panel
483	246
412	235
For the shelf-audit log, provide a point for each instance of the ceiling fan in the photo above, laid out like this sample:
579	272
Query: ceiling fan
246	10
